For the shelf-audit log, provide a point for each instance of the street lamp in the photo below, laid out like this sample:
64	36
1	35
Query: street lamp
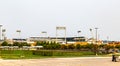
79	34
96	40
18	31
44	32
61	28
92	38
3	34
96	34
107	39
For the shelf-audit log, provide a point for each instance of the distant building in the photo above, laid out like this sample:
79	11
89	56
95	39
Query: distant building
59	39
23	40
19	40
114	43
93	41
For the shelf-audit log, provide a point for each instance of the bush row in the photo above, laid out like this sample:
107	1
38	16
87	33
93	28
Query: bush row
61	53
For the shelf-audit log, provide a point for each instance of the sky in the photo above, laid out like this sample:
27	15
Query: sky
34	16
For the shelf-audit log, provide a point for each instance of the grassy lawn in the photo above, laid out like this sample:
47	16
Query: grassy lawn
30	54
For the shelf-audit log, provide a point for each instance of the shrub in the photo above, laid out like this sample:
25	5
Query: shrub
71	46
4	43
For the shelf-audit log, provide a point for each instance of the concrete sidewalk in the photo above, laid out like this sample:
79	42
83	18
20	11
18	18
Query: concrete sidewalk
77	61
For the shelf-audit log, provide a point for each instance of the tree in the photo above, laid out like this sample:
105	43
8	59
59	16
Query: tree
38	43
102	45
117	46
108	47
71	46
9	44
78	46
24	44
89	46
95	48
16	44
51	45
63	47
4	43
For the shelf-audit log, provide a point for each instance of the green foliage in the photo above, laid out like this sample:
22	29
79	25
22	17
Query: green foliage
20	54
78	46
20	44
71	46
102	45
43	53
117	46
63	47
4	43
95	48
38	43
16	44
61	53
24	44
51	45
16	54
9	44
108	47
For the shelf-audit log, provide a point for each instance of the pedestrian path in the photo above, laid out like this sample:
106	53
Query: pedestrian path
76	61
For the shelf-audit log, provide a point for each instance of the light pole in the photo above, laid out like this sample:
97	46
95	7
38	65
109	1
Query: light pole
96	34
79	34
61	28
92	36
96	41
18	31
107	39
3	34
44	32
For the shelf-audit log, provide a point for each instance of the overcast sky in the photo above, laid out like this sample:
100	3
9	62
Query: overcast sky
34	16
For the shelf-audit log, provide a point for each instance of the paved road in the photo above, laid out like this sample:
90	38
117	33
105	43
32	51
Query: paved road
84	61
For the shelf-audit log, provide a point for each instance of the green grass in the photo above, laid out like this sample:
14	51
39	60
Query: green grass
29	54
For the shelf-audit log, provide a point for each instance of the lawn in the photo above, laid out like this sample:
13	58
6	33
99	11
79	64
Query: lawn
36	54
